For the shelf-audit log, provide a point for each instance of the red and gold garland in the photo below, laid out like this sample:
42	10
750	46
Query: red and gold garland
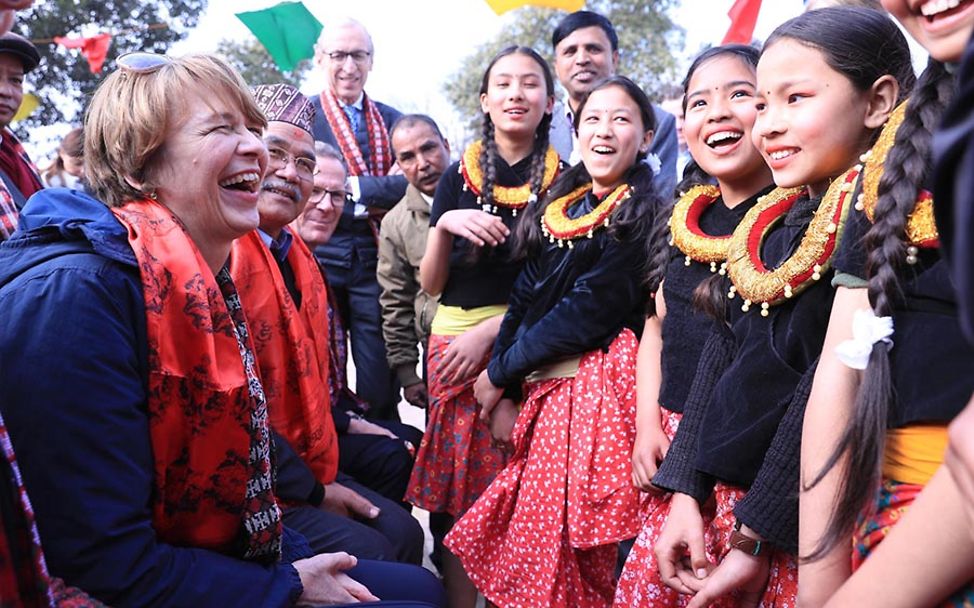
686	233
755	283
921	229
560	228
512	197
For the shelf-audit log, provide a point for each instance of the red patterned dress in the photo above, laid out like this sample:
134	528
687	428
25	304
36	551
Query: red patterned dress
545	532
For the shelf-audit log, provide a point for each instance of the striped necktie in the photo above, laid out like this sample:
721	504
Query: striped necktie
354	117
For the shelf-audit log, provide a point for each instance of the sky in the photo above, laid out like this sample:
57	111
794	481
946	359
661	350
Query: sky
418	45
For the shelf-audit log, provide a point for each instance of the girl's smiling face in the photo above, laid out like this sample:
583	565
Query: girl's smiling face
720	113
610	135
517	96
812	123
943	27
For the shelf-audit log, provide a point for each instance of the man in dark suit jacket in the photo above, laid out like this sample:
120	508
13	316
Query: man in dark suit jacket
586	50
358	126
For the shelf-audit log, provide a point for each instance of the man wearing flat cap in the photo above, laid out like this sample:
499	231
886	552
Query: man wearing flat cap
18	175
284	293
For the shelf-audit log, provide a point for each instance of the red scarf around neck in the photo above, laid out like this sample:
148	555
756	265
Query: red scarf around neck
380	148
17	165
291	346
207	418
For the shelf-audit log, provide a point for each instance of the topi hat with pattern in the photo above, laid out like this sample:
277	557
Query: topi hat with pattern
284	103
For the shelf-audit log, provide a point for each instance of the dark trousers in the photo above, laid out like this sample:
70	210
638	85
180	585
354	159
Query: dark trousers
378	462
394	535
357	293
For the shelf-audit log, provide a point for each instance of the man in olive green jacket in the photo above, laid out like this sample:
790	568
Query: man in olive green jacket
407	311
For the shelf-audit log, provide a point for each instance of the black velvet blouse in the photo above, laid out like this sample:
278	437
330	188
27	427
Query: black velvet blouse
931	362
485	277
772	354
569	301
685	330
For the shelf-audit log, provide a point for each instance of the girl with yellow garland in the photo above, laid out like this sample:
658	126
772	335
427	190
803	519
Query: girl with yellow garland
545	532
895	371
827	81
719	93
468	264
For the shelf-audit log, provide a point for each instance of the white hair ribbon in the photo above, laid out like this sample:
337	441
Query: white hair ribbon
867	330
654	163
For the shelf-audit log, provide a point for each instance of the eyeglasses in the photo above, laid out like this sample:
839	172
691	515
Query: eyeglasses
357	56
141	62
318	194
304	166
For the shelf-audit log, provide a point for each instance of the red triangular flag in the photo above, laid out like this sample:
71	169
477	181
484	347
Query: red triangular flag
93	49
744	16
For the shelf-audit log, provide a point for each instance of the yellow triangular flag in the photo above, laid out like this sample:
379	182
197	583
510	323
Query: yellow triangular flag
27	106
502	6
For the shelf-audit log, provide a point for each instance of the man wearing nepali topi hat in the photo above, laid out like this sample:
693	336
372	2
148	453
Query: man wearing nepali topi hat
18	175
285	297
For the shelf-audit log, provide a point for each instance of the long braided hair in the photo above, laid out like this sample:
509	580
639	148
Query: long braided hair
489	154
906	168
636	217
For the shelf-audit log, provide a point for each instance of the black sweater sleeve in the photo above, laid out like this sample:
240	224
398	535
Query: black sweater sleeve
678	472
770	506
593	309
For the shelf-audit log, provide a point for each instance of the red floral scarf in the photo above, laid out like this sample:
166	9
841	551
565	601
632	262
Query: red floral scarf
15	162
207	414
380	158
291	346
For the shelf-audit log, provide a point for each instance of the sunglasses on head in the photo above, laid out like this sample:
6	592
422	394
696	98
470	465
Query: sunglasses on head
141	62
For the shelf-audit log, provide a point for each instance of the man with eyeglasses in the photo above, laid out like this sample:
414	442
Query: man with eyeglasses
350	120
285	298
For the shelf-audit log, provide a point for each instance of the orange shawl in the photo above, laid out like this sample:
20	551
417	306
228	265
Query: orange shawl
291	347
209	430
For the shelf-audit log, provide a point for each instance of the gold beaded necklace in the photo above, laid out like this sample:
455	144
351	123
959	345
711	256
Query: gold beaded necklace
752	280
512	197
921	229
558	227
687	235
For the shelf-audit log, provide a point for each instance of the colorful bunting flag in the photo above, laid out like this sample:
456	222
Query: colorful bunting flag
502	6
94	49
744	16
27	106
287	30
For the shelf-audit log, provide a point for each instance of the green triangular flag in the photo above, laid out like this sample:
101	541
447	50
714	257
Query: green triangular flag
287	30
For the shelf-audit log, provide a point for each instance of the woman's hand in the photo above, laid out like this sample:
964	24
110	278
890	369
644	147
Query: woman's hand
325	582
347	502
647	453
478	227
740	572
360	426
502	420
486	394
466	353
680	551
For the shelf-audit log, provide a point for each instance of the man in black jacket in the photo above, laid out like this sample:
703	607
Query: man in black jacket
350	120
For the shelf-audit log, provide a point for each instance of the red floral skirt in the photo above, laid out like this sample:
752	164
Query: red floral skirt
545	532
456	459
